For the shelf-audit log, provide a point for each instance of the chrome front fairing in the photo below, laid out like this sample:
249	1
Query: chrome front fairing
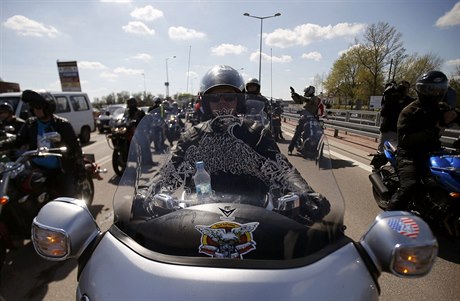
116	272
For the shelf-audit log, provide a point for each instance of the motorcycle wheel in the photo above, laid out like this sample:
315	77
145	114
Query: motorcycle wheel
117	163
87	190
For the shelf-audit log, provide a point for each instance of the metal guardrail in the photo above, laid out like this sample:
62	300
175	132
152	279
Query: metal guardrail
364	123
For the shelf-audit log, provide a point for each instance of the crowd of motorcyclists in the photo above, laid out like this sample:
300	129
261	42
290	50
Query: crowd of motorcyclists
168	126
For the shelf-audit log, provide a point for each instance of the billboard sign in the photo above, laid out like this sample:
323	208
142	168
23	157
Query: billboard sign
68	74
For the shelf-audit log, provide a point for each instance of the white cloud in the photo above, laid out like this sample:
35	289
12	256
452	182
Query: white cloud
110	76
127	71
143	57
147	13
192	74
453	62
346	50
90	65
137	27
306	34
315	55
224	49
26	27
451	18
182	33
254	57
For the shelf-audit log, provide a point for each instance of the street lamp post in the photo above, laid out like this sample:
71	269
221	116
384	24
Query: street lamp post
260	47
145	92
167	78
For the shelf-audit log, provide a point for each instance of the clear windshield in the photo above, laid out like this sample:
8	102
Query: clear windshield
250	173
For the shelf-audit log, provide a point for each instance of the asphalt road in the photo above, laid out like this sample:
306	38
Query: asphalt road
26	276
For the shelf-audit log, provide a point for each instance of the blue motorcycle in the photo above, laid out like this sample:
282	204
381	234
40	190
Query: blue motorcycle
438	199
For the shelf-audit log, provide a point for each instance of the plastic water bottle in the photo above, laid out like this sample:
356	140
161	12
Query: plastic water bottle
202	181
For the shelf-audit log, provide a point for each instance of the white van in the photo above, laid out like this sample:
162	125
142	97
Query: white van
76	107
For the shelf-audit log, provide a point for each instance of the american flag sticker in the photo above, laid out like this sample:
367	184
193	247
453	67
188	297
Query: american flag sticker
405	226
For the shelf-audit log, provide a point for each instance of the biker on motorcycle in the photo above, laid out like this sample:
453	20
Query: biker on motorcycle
419	127
7	117
66	172
311	109
133	113
238	153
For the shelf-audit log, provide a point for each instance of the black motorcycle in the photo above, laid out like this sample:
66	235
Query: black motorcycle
174	128
437	199
310	138
119	140
24	190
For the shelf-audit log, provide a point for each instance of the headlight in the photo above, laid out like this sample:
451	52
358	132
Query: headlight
401	243
413	261
50	243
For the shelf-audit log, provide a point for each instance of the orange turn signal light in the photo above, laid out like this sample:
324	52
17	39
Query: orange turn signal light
4	200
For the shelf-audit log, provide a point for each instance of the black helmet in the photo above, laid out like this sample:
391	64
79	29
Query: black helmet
6	106
131	102
432	85
254	83
42	99
157	100
222	75
309	91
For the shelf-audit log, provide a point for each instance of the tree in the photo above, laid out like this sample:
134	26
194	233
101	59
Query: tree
381	43
415	65
342	81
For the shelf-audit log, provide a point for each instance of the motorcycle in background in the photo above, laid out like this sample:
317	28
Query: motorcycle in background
437	201
119	139
174	128
24	190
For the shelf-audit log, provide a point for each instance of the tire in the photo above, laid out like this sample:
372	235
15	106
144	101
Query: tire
117	162
85	135
87	190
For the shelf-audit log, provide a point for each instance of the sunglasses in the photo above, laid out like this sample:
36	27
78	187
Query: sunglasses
227	97
36	106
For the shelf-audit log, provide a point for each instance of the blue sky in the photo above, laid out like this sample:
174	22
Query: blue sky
123	45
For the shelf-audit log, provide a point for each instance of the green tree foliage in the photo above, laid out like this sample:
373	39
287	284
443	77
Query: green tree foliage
414	65
380	44
342	81
377	59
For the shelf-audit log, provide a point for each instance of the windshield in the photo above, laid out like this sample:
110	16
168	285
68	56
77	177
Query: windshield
255	192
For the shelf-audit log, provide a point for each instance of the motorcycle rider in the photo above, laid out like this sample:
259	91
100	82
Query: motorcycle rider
238	153
395	98
65	173
419	127
133	113
7	117
311	110
158	126
252	89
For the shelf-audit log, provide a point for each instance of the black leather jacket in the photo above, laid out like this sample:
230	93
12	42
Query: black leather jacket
240	156
72	160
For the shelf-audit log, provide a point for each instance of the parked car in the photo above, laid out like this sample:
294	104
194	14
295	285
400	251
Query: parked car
73	106
108	115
